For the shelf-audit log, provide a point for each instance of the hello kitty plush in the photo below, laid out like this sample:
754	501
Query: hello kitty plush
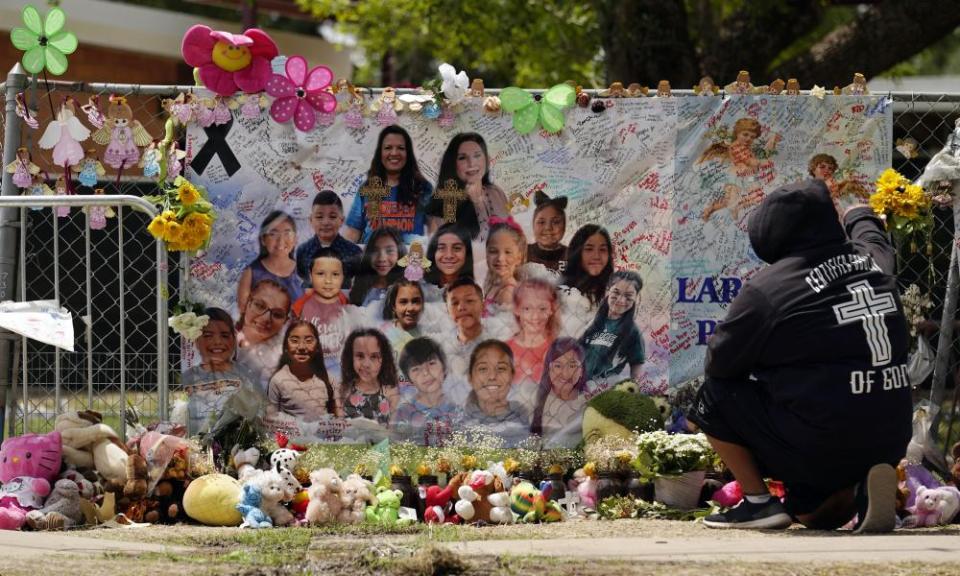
28	466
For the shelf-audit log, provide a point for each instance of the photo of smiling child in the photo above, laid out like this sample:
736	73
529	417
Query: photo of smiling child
402	310
428	417
301	388
323	306
549	226
488	405
209	384
378	268
506	253
326	217
278	237
561	400
613	341
535	305
369	387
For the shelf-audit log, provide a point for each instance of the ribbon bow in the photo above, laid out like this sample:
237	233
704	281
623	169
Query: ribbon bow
508	221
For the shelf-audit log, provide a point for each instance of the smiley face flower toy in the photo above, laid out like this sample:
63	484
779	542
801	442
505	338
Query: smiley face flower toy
227	62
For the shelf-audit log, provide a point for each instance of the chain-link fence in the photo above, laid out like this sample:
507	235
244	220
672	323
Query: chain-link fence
106	277
89	378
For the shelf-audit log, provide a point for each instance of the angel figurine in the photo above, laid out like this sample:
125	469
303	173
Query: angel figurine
97	215
741	85
181	107
221	112
90	170
150	161
354	116
414	263
29	116
92	110
174	156
121	134
387	107
60	189
249	105
64	135
23	169
38	187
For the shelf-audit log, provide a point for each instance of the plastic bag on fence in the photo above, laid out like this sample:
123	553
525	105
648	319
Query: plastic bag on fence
921	362
923	444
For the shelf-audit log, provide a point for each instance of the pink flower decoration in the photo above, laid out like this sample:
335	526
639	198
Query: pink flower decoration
301	94
229	61
355	399
384	407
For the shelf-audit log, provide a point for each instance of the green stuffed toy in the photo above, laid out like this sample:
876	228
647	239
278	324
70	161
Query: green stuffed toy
619	411
534	505
386	511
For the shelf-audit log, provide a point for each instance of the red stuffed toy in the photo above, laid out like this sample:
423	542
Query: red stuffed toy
439	503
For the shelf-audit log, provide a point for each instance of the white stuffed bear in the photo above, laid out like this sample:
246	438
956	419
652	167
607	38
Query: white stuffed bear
355	496
90	445
324	491
272	489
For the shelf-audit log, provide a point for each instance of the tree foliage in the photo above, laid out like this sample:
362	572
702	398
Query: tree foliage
542	42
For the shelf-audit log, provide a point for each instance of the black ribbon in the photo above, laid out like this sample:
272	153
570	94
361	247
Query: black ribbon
216	144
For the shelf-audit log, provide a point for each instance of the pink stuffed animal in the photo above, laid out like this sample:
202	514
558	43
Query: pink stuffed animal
935	506
729	495
28	466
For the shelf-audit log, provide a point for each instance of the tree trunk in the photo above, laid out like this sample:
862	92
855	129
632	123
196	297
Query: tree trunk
646	41
750	38
882	36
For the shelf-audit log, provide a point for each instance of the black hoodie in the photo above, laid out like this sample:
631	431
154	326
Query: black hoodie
801	325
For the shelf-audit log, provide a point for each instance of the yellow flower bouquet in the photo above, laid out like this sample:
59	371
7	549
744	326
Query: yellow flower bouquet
906	207
186	221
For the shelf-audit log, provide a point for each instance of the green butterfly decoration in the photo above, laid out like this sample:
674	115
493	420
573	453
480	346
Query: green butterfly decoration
46	44
547	109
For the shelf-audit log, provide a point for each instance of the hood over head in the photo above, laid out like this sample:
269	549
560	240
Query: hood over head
793	219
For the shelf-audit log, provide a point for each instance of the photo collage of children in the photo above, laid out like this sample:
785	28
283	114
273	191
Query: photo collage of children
395	319
403	280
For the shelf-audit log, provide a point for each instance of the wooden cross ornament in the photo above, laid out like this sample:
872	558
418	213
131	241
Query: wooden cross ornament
452	195
374	192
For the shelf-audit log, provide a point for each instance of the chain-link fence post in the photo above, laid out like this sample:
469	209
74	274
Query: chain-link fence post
16	80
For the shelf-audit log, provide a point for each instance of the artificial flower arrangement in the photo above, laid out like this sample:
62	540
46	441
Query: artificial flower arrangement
660	454
904	205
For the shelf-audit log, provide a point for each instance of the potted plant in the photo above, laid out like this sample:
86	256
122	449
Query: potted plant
612	457
677	464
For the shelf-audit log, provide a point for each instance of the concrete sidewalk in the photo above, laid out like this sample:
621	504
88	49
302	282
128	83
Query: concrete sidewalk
816	548
21	544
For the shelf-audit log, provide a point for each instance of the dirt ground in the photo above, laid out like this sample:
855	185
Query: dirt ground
423	550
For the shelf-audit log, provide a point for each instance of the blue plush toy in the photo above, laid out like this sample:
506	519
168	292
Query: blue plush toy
249	506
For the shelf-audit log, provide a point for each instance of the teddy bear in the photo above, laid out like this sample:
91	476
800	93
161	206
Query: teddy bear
272	490
325	496
90	445
934	506
387	509
61	510
355	496
28	464
245	462
249	507
474	505
439	502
